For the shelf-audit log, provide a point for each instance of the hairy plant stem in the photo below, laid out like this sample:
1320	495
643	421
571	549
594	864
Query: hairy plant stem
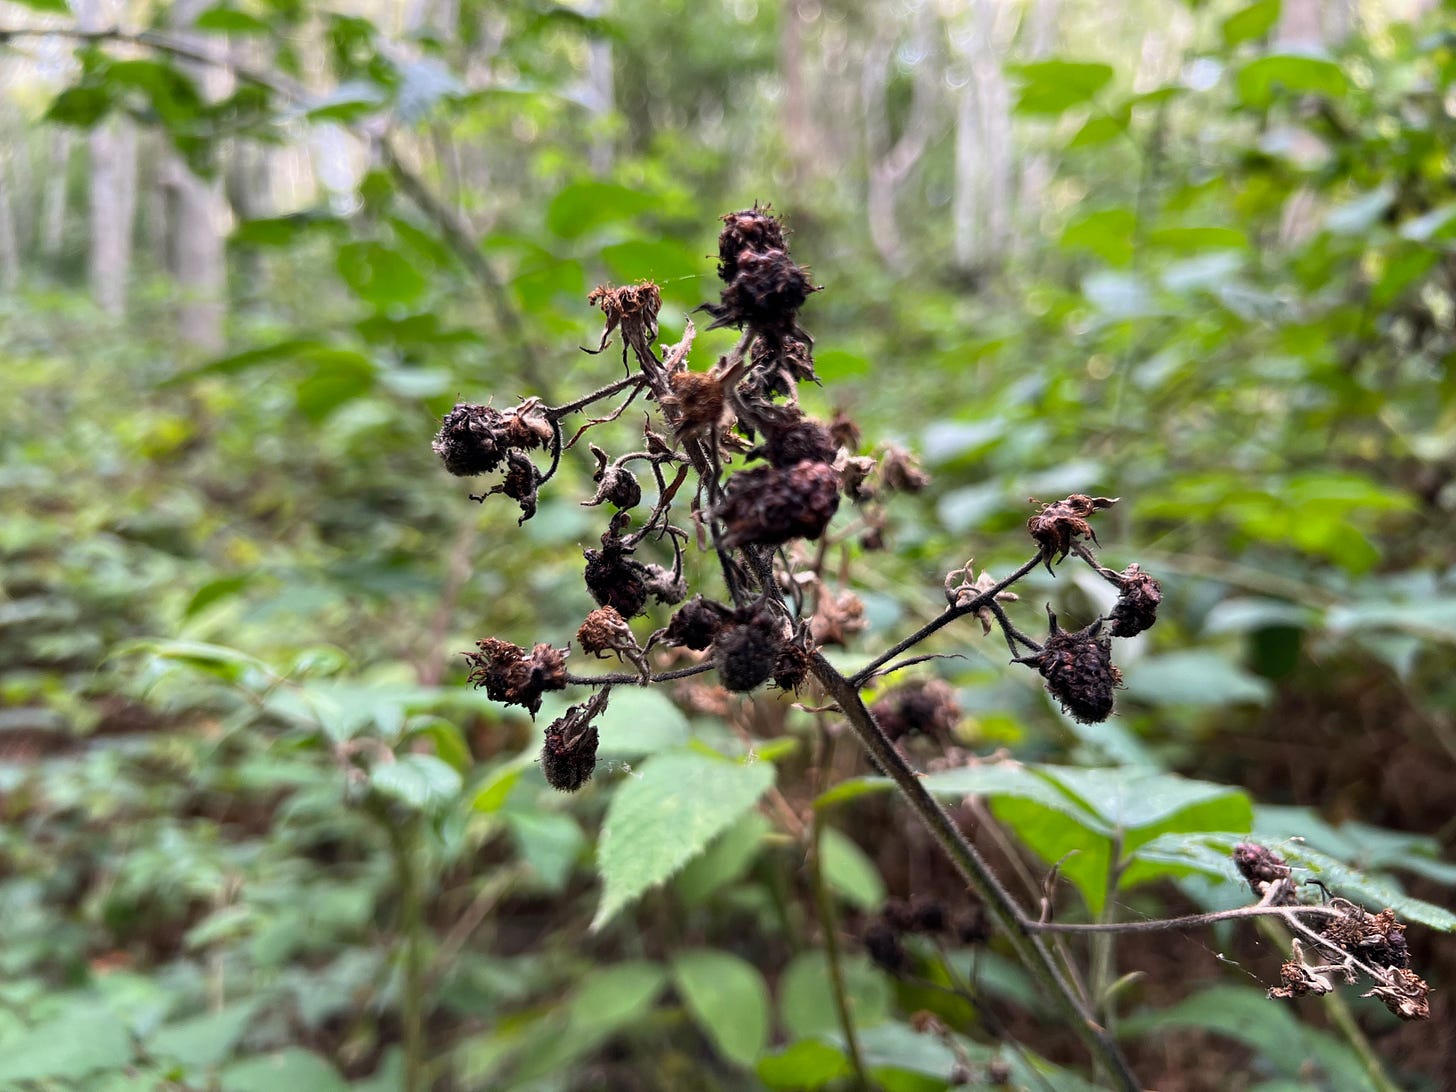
830	928
1008	916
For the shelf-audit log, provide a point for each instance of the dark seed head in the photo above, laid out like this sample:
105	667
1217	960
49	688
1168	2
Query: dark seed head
1137	603
569	755
1078	670
753	230
530	677
695	624
615	580
746	650
882	944
490	667
925	707
768	506
803	438
470	440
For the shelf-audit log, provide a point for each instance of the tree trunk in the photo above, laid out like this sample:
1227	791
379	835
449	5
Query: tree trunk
113	149
55	195
9	247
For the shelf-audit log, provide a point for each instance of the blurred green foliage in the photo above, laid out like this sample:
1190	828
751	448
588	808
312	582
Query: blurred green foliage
254	817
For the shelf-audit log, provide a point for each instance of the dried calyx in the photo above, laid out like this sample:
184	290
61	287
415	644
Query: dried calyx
883	934
1059	526
474	439
569	754
1078	670
512	676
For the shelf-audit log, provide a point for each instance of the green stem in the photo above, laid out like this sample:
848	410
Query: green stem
831	948
405	843
1031	951
1104	944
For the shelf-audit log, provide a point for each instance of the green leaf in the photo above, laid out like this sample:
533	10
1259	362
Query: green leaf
1252	22
495	789
584	206
87	1039
1108	233
1286	1043
214	591
660	260
665	815
1359	214
203	1041
808	1063
1261	81
806	1002
849	872
1196	677
423	782
228	20
337	376
550	842
1051	87
730	855
290	1070
729	1000
51	7
380	275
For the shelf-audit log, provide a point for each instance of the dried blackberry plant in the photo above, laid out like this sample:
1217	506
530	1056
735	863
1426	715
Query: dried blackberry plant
730	463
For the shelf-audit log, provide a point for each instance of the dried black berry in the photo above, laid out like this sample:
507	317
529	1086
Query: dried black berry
615	580
695	624
882	944
768	506
801	438
1078	670
1137	603
746	650
753	230
569	755
490	667
1259	865
925	707
1058	526
471	440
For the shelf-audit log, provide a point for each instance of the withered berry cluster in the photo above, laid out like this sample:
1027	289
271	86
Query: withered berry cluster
1349	943
730	461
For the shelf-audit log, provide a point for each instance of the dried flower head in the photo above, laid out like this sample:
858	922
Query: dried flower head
520	483
792	666
569	755
800	438
924	707
837	617
603	631
746	650
777	366
511	676
768	506
900	471
1378	939
1137	603
694	625
961	591
1404	993
633	307
883	946
471	440
613	577
489	667
1058	526
845	431
753	230
615	484
1078	670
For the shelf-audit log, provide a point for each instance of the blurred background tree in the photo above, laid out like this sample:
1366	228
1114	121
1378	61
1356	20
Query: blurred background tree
259	834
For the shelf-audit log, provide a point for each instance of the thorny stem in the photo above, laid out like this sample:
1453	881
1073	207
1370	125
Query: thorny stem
830	929
1003	908
624	678
1290	914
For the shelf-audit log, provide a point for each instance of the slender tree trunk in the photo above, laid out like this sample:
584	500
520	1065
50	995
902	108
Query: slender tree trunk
198	222
985	159
800	136
9	246
599	88
113	149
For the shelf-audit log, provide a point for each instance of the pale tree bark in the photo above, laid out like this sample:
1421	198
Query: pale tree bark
9	246
198	218
985	158
802	142
1301	26
598	94
890	163
113	189
1036	170
55	194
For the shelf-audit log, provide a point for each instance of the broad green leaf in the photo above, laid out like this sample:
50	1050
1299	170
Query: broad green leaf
1272	1028
730	855
335	376
665	815
1118	295
52	7
659	260
806	1001
1434	619
214	590
1260	81
1050	87
550	842
85	1040
584	206
1107	233
835	364
1187	240
807	1063
493	791
729	1000
1436	224
203	1041
290	1070
1251	22
229	20
1194	677
849	872
1141	804
420	781
896	1046
379	275
1359	214
1241	615
1358	844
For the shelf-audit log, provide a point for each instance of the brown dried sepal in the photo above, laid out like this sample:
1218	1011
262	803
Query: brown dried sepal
901	472
1404	993
615	484
1137	603
605	631
961	591
511	676
777	366
489	667
1297	980
837	617
925	707
1058	526
633	307
768	506
1078	670
1377	939
569	754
